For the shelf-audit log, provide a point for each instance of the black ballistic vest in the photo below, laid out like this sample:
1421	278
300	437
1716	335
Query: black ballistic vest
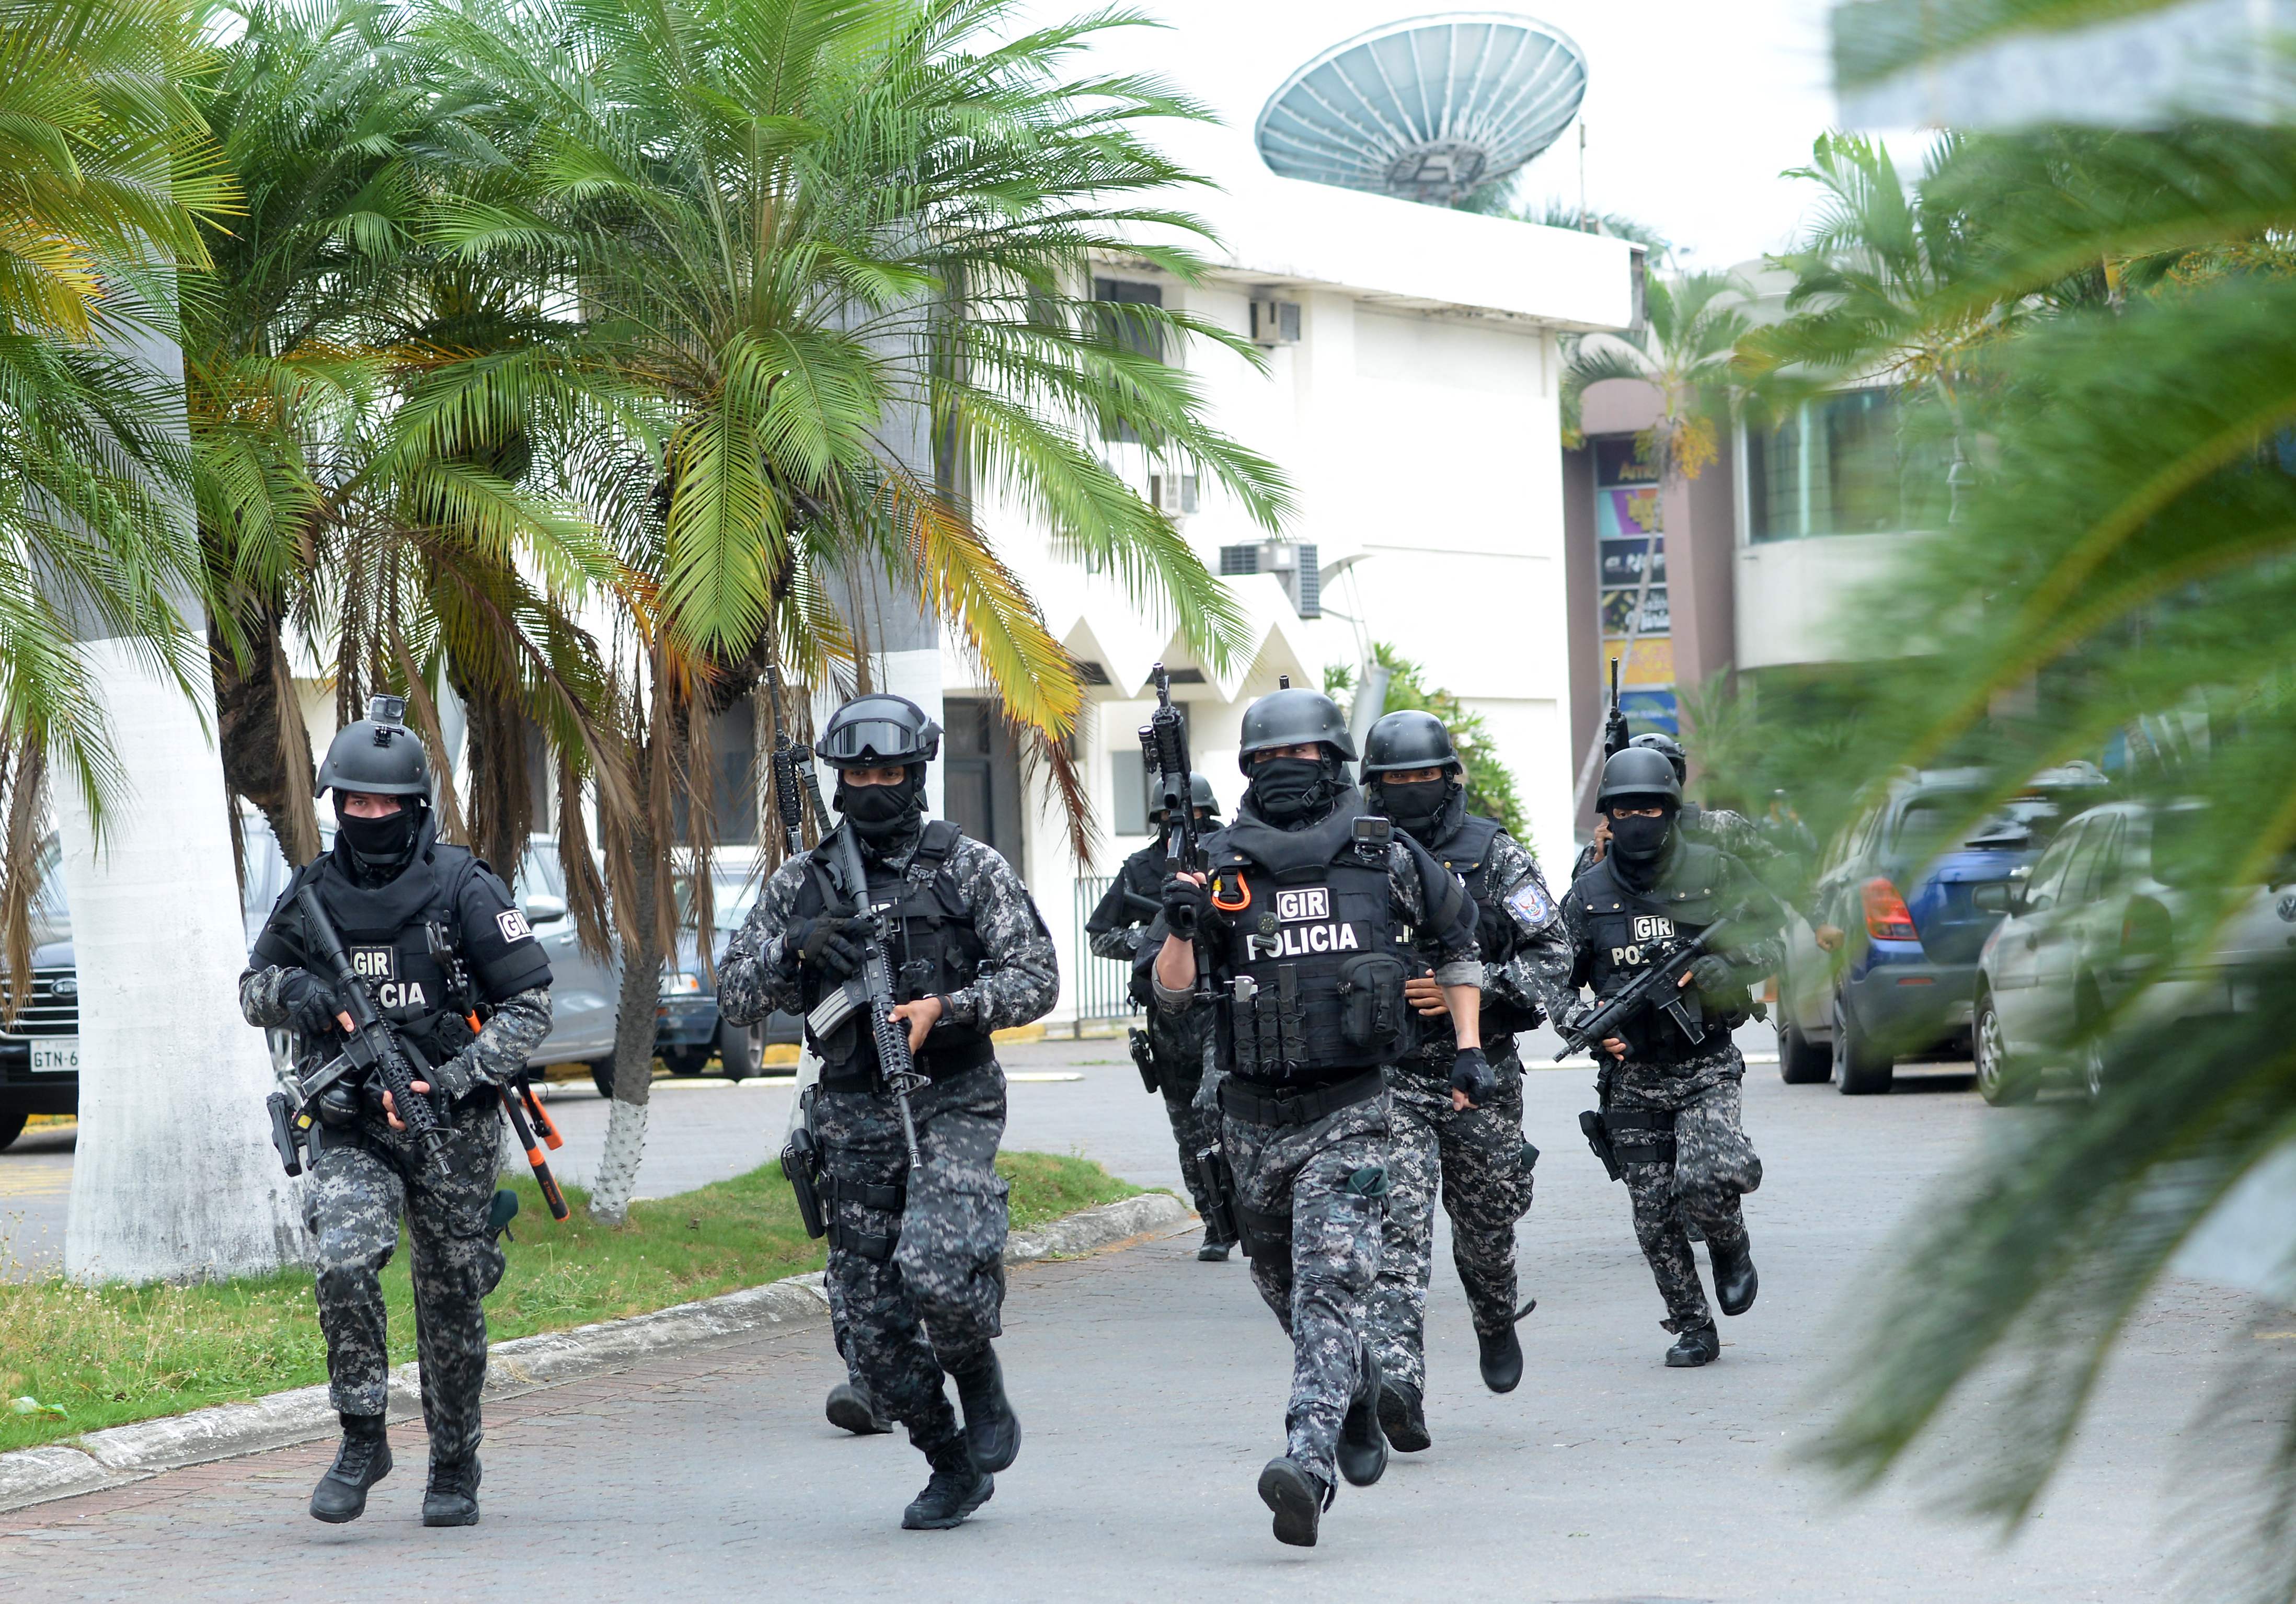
1313	926
385	930
1630	929
932	947
1467	853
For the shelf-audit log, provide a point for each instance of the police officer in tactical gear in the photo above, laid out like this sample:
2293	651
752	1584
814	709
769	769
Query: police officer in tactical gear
1670	1105
916	1270
1304	914
1733	832
1170	1049
1467	1141
390	886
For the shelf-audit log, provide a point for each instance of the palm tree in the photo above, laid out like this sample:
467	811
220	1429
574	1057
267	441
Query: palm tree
105	174
2119	301
1684	351
377	431
817	232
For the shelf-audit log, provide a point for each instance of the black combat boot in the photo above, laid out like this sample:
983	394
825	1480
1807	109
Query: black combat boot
990	1426
1363	1445
1734	1280
1702	1345
1402	1417
853	1408
1298	1496
1502	1359
957	1488
363	1460
1214	1252
452	1498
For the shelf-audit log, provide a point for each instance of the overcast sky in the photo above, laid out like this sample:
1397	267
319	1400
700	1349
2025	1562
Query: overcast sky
1693	107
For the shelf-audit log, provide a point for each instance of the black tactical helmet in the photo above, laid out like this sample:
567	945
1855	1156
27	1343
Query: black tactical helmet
1638	777
378	756
1407	739
878	731
1660	743
1201	799
1291	717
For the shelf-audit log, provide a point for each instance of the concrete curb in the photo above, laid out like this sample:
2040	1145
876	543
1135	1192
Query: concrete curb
122	1454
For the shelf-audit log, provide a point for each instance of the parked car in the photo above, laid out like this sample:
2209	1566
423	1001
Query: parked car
39	1048
688	1030
2109	901
1916	924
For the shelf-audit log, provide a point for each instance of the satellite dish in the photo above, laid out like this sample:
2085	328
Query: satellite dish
1428	108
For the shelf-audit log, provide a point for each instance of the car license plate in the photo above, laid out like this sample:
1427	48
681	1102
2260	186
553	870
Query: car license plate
56	1055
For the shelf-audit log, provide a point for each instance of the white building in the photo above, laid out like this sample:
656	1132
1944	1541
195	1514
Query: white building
1417	416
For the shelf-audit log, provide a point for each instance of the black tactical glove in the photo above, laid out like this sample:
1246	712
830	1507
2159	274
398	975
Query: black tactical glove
311	1003
1494	934
1713	974
1187	906
821	943
1470	1072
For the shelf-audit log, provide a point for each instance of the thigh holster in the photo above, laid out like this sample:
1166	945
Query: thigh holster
1264	1235
1642	1136
890	1197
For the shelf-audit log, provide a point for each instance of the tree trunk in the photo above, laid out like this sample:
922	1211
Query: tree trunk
267	752
173	1178
634	1035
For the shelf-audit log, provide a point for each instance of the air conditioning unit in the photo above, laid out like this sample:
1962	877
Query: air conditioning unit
1275	322
1292	562
1173	495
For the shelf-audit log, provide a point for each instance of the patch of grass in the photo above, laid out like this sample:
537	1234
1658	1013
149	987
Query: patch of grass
110	1355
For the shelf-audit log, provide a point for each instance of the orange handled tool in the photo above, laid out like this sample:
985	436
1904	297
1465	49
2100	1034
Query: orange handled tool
542	1178
542	1123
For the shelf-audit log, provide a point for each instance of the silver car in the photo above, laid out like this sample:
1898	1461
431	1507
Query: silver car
583	988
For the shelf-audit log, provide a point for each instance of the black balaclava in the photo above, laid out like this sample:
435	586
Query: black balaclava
882	814
1292	792
379	849
1642	843
1421	809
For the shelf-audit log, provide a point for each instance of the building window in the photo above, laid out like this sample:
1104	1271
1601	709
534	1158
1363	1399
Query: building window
1630	553
1857	463
1125	328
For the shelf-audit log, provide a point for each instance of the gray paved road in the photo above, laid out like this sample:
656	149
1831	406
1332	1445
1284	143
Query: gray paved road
1151	1387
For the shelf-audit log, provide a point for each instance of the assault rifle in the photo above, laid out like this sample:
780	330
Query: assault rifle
374	1051
1164	742
872	988
1615	737
1657	987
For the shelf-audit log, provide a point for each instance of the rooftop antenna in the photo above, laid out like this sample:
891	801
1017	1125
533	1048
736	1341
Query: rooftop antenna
1586	217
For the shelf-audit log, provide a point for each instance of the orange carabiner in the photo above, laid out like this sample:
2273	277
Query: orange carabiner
1232	906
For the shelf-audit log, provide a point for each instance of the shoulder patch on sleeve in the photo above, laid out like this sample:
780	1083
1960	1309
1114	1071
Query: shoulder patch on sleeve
513	925
1531	906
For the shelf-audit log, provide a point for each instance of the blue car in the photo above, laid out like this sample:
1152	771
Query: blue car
1913	920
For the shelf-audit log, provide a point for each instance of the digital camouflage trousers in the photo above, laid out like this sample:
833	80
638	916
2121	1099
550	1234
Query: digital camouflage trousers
916	1267
1329	1177
363	1180
1194	1130
1474	1158
1712	1166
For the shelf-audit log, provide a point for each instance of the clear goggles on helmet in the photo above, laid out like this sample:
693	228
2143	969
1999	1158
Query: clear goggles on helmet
868	740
